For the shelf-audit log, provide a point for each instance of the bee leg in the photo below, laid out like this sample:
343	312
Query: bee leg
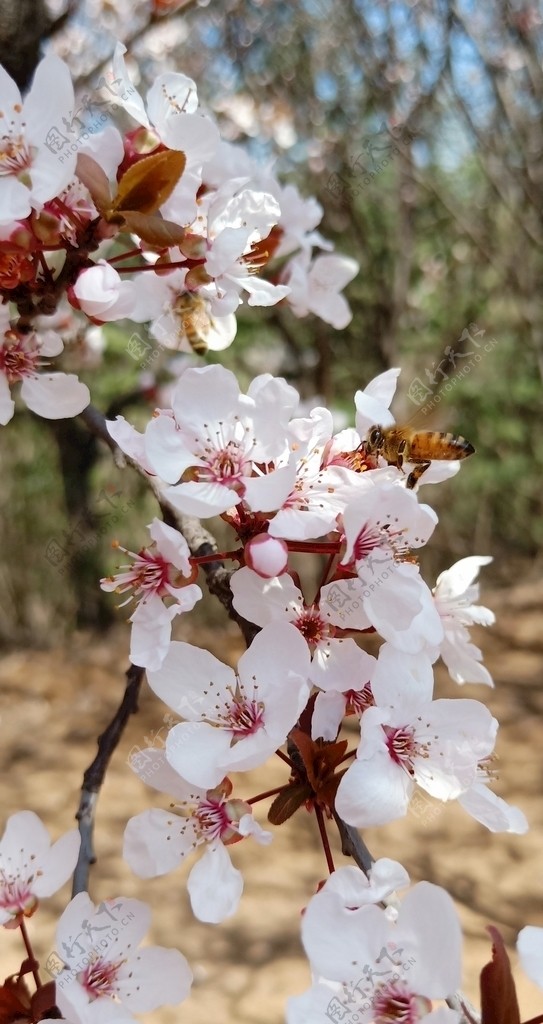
416	473
401	453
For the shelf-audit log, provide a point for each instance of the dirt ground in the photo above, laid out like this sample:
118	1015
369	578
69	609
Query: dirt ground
54	703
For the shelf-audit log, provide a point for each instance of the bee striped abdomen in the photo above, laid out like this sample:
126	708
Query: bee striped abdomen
438	445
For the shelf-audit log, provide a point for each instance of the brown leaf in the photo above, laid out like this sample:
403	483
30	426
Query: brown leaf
147	184
306	749
43	1002
335	752
288	802
14	1000
498	994
328	789
154	230
94	178
319	758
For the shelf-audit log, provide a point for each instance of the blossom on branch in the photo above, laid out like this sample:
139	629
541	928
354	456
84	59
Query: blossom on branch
105	973
213	440
54	396
170	118
160	572
338	666
157	841
30	868
315	287
407	739
383	965
31	168
242	717
454	596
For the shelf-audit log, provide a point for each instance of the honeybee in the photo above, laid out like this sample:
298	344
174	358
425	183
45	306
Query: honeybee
195	321
404	444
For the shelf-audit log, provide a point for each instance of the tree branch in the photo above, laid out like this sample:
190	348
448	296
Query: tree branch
95	774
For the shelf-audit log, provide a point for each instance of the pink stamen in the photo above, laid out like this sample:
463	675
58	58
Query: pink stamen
18	359
213	819
401	747
98	979
245	717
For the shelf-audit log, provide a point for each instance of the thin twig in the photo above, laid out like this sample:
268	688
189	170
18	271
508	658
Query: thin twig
95	774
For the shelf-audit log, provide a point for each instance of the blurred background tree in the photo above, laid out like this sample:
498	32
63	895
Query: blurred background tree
418	126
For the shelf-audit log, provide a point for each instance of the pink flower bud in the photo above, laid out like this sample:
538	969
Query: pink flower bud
101	293
267	556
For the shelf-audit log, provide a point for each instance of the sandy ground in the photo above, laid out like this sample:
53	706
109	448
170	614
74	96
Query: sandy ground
54	703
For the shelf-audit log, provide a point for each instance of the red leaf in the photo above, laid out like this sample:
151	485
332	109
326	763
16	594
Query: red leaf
154	230
147	184
498	994
288	802
94	178
14	1001
43	1002
306	749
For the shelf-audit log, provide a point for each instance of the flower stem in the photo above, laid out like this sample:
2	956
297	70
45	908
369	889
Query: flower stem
324	838
284	758
321	548
124	256
263	796
217	555
152	266
34	964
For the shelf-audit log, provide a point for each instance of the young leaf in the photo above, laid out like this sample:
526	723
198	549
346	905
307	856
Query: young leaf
14	1001
498	994
154	230
150	182
288	802
94	178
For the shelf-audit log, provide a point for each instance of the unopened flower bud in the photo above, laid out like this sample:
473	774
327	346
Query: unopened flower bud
267	556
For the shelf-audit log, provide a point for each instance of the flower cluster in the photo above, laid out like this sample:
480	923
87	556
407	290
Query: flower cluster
280	479
207	229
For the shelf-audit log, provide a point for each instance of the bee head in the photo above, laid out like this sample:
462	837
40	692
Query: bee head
375	439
